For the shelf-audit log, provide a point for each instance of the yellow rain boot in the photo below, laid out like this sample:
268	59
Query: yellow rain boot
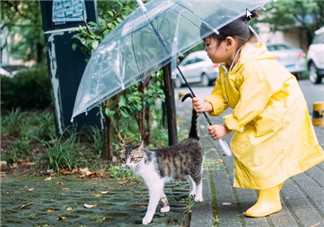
268	203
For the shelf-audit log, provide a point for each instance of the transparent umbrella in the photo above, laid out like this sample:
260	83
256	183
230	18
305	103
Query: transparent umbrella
148	39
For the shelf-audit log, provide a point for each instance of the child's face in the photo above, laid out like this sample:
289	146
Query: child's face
220	51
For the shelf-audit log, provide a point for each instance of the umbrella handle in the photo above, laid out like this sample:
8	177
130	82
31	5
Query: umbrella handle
221	142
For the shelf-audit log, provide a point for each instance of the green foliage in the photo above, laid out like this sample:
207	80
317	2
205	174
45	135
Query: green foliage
189	201
11	124
63	152
282	14
96	139
121	173
31	135
27	90
132	101
23	128
216	220
111	13
23	21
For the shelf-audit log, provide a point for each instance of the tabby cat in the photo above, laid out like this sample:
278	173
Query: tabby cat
158	166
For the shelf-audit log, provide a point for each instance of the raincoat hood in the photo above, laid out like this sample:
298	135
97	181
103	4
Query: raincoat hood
252	51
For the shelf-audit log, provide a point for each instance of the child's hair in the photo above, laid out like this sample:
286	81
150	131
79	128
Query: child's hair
238	29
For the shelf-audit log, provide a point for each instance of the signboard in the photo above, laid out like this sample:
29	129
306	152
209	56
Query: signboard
68	10
62	14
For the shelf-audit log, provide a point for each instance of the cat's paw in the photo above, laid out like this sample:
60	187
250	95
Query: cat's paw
192	194
146	220
199	199
165	209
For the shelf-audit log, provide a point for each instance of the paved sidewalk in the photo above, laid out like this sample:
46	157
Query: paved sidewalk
302	196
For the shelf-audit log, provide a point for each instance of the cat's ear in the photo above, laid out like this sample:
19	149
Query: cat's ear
141	146
122	150
122	146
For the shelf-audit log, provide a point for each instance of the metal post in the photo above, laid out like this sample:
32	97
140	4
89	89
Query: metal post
61	20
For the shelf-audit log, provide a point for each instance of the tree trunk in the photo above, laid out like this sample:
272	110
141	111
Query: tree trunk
110	151
39	52
148	117
170	105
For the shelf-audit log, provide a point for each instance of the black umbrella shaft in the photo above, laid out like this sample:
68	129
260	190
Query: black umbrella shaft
193	94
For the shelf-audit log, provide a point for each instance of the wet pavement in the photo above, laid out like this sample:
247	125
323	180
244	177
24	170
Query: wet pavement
63	200
71	201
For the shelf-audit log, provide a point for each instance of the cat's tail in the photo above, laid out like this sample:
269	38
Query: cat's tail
194	131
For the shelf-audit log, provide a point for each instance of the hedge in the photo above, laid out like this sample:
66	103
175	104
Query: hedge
27	90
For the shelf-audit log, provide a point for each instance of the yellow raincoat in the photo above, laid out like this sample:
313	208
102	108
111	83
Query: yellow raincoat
274	137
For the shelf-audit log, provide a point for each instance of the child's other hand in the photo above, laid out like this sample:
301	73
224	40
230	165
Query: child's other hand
218	131
201	106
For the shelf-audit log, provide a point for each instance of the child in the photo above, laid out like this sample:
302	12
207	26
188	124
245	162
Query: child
274	138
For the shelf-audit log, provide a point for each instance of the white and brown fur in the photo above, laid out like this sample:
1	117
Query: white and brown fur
159	166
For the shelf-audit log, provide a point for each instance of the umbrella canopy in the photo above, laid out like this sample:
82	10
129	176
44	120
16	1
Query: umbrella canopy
148	39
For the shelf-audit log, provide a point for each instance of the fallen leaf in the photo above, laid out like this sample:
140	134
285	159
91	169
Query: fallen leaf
91	174
66	172
61	218
89	206
65	189
50	210
29	189
54	174
59	183
84	171
227	204
102	193
48	179
26	205
36	149
220	160
317	224
69	208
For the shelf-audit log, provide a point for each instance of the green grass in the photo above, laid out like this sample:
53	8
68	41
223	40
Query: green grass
30	135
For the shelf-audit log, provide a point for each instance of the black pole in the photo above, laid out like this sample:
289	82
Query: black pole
170	105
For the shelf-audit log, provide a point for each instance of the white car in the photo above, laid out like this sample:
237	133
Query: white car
292	58
197	68
315	57
11	70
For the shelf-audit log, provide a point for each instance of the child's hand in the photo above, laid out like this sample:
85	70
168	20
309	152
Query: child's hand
201	106
218	131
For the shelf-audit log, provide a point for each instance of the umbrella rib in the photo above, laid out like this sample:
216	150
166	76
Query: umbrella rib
135	56
193	13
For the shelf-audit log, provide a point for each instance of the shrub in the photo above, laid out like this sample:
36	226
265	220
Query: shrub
27	90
